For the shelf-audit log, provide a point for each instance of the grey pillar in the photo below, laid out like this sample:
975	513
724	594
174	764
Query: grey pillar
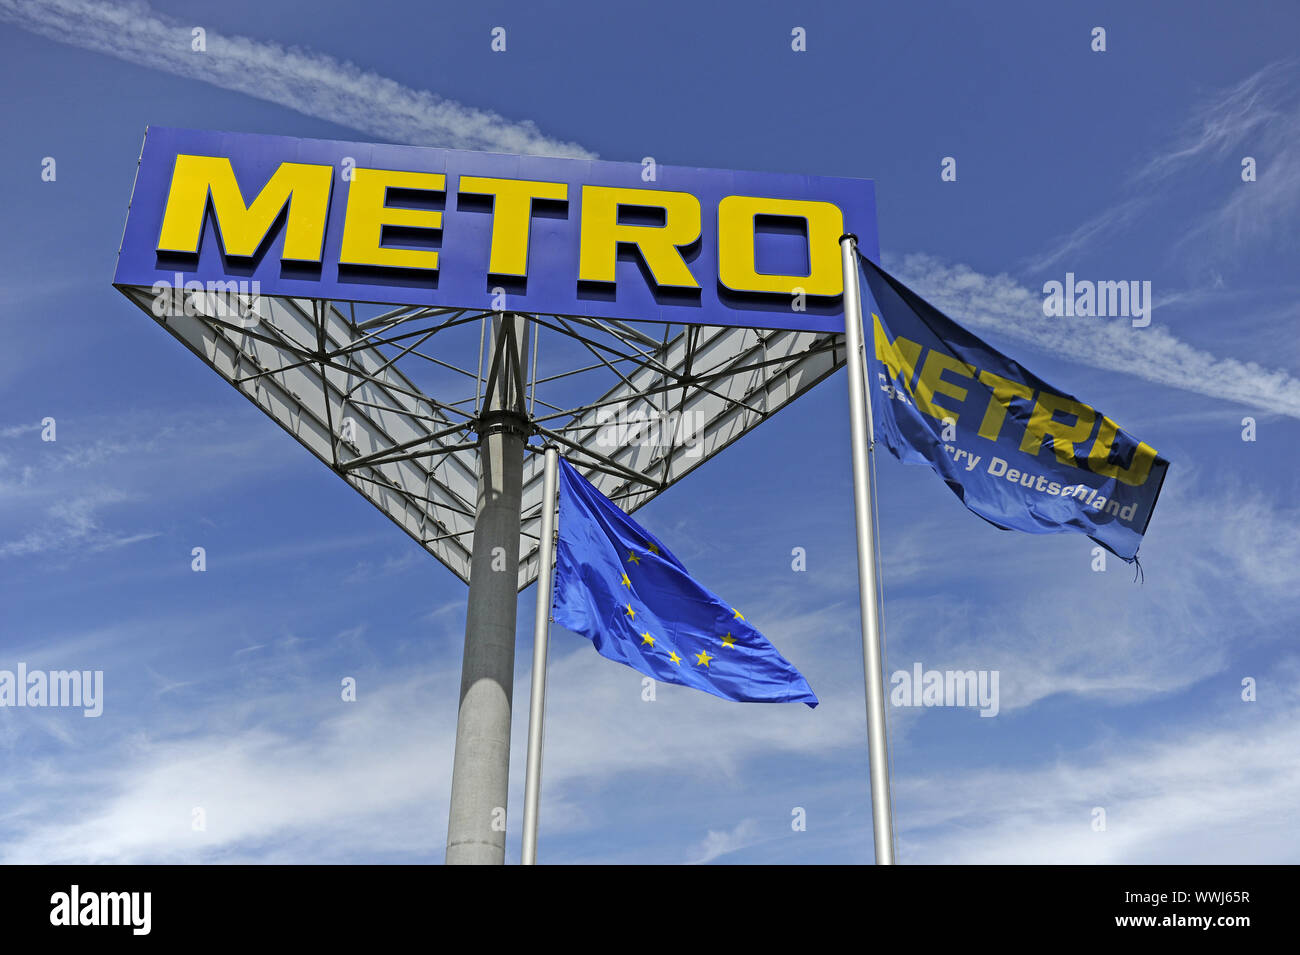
480	773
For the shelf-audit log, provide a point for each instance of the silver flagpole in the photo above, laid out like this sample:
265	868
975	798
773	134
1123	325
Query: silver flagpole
862	434
541	637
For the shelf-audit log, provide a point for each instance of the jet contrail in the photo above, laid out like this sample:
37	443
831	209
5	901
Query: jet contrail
310	83
1001	304
318	85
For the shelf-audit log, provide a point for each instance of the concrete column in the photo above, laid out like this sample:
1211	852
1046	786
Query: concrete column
480	774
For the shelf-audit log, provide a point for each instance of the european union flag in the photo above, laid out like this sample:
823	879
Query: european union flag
621	588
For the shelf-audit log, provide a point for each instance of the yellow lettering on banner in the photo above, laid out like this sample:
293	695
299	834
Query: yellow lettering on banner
899	356
1139	468
1004	389
931	381
659	245
1043	424
242	228
736	265
368	213
512	214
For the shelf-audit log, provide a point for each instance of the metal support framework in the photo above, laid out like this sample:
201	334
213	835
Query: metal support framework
391	401
438	416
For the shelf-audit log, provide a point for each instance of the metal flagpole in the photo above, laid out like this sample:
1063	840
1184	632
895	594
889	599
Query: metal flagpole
862	435
541	638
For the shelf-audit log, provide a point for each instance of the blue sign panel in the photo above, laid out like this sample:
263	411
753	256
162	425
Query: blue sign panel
414	225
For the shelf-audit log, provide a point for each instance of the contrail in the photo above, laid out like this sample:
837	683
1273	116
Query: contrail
1261	109
999	303
318	85
307	82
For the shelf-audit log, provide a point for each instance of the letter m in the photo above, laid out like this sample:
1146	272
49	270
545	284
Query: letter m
1113	299
118	904
65	687
198	181
960	687
899	357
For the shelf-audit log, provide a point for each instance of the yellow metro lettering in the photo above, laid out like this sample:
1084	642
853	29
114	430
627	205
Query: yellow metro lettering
1004	389
299	195
1139	468
931	381
242	228
367	214
899	356
736	266
601	233
512	211
1043	424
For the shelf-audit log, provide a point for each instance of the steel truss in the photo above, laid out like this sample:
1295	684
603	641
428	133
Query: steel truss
635	406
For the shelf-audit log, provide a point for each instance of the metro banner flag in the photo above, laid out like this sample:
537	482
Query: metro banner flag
1020	453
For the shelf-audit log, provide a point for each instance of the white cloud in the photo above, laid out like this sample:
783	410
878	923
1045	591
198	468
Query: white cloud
1223	790
355	786
58	498
1220	576
371	779
1121	214
1258	117
310	83
1000	304
1226	119
720	843
18	430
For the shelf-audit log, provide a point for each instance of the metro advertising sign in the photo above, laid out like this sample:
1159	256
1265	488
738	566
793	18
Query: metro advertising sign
411	225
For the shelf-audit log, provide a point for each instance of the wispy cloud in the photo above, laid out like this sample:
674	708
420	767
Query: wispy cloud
73	522
17	430
1226	120
303	80
1221	790
1260	117
1114	217
65	497
375	772
366	782
720	843
1001	304
1108	639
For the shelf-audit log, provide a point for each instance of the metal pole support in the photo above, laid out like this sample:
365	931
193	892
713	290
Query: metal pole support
541	640
476	828
868	585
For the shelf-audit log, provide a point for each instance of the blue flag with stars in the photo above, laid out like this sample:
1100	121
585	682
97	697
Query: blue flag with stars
622	589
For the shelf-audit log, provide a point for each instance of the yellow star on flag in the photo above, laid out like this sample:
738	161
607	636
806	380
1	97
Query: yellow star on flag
632	558
728	640
627	583
739	615
630	612
703	658
646	638
672	655
654	548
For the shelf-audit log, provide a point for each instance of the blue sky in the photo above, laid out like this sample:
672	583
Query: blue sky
221	688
